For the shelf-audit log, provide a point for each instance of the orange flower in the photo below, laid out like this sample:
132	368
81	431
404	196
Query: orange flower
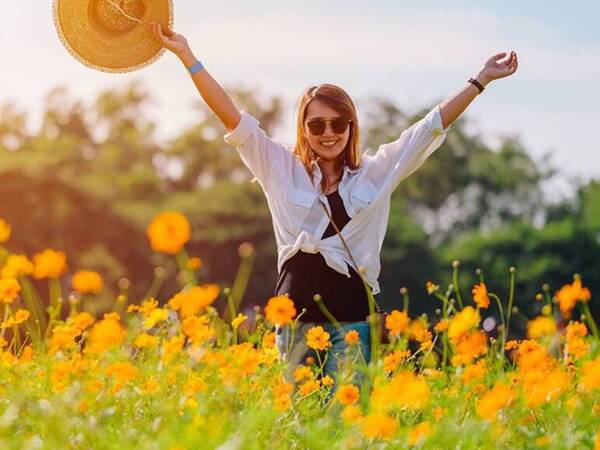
280	310
106	334
590	375
570	294
397	322
480	295
379	426
347	394
352	337
541	326
21	316
9	290
49	264
16	266
168	232
5	230
463	322
469	347
87	282
419	432
499	397
317	338
194	300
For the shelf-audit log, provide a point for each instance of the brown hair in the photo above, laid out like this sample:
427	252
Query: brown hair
336	98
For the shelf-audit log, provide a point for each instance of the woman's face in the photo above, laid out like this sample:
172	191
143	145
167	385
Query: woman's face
329	146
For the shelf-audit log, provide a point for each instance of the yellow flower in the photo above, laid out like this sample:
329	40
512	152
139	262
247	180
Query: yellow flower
145	340
419	432
397	322
5	230
379	426
235	323
351	414
394	359
404	390
9	290
280	310
474	372
480	295
21	316
123	371
590	375
463	322
541	326
469	347
105	334
308	387
63	337
317	338
49	264
157	316
352	337
87	282
16	266
194	300
327	381
168	232
499	397
82	321
442	325
150	386
418	330
302	373
431	287
570	294
347	394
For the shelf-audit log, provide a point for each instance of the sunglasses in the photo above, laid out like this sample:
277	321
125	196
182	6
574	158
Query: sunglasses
317	127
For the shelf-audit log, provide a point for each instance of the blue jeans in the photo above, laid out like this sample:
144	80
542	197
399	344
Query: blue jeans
297	351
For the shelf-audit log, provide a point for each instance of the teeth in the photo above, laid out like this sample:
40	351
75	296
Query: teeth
328	142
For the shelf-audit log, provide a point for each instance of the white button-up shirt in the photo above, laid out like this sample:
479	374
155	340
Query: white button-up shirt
298	217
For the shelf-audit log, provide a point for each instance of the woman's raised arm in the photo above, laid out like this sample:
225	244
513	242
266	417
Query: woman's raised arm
211	91
493	69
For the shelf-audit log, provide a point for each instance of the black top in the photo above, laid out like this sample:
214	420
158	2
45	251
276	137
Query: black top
306	274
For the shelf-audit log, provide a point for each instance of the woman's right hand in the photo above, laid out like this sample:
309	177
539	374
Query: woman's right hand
172	41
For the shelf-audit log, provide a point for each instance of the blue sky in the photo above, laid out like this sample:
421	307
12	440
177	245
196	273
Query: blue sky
415	53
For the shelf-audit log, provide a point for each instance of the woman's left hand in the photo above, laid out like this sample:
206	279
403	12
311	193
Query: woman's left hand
495	67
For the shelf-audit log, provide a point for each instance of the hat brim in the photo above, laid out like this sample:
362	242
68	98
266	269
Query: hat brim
111	53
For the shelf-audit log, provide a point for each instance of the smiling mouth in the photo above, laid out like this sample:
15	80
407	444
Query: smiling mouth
328	144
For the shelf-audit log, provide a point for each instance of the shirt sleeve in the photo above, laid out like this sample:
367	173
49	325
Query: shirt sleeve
396	160
259	153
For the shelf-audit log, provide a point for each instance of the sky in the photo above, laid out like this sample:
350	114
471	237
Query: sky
413	53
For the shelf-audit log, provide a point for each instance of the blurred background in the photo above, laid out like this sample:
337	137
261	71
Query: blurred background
87	158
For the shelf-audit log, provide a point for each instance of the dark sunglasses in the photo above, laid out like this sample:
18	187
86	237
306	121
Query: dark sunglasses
317	126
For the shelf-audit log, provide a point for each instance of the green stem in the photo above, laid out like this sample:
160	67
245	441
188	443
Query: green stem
183	259
456	288
511	294
319	301
494	296
240	283
590	319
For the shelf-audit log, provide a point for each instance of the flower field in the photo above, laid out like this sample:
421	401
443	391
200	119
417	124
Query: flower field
175	373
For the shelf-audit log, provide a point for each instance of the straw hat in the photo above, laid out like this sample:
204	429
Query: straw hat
112	35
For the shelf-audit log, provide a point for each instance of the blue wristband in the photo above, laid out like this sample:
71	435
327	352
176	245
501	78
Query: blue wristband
195	68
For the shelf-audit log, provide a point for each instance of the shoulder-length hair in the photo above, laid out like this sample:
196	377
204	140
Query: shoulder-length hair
336	98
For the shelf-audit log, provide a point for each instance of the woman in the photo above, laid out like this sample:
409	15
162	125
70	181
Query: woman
324	176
